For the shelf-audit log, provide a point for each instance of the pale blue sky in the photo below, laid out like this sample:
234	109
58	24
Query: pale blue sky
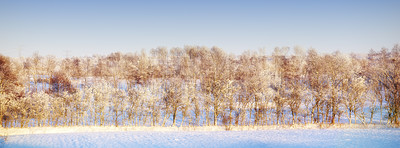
101	27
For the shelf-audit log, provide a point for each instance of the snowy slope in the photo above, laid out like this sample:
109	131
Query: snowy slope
261	138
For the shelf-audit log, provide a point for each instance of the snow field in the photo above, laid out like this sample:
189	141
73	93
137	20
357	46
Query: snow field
385	137
84	129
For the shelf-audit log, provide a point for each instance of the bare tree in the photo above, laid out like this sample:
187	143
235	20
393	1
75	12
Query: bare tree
60	82
10	90
389	79
118	105
315	81
202	86
102	92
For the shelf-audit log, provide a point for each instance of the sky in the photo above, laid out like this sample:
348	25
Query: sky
85	28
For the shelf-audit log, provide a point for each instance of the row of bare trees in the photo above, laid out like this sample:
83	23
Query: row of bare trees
199	86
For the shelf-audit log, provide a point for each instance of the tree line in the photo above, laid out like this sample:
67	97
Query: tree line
200	86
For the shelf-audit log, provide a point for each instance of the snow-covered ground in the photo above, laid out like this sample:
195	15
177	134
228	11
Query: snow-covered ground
386	137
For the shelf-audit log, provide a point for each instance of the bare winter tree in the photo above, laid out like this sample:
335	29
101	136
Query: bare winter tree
172	98
389	79
294	77
102	93
60	82
280	86
316	83
216	78
372	71
10	90
200	86
118	105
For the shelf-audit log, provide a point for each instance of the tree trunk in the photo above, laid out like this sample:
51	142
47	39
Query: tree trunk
166	115
183	119
215	114
293	117
207	118
355	117
174	117
372	115
116	119
380	121
312	115
349	116
250	111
